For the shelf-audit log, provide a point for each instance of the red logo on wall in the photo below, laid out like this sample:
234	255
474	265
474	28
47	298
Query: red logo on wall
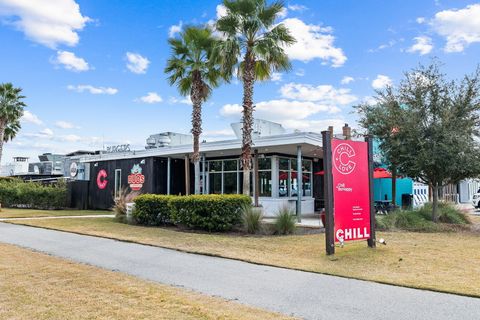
102	179
351	190
136	179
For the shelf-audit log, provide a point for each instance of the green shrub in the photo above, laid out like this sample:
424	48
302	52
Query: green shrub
252	218
208	212
285	221
16	193
447	213
153	209
421	219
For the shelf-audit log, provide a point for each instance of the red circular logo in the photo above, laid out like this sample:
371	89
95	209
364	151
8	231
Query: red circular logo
102	179
342	158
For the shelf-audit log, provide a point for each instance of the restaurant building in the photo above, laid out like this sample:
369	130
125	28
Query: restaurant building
284	164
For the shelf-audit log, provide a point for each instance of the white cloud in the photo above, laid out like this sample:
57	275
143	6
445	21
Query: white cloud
347	80
30	118
325	94
70	138
151	97
369	100
48	22
221	11
174	100
383	46
136	63
174	29
71	62
459	27
297	7
313	42
280	110
283	14
381	82
314	125
423	45
65	125
46	132
276	76
300	72
420	20
93	90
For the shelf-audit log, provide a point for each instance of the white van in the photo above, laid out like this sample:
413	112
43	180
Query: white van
476	199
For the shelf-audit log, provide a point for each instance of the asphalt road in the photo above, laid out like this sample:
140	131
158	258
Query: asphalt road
302	294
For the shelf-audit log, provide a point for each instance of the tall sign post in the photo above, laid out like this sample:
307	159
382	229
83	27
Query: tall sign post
372	241
348	182
328	187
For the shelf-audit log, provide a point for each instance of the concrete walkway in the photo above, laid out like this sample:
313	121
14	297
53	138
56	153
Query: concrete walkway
301	294
60	217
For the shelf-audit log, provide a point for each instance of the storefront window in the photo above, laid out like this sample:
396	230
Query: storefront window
230	182
230	165
225	176
265	183
215	166
288	178
215	183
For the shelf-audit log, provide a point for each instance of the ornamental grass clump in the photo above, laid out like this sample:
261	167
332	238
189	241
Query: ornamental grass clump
252	219
450	219
285	221
120	207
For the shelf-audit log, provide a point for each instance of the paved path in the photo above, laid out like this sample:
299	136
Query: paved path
302	294
61	217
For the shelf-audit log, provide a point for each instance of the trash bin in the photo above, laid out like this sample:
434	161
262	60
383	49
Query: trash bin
407	201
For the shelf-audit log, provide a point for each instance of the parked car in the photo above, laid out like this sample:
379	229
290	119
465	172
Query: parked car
476	200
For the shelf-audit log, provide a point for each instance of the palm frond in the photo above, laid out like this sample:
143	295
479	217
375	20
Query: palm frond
267	15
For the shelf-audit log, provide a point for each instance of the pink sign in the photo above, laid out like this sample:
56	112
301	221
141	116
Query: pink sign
351	190
102	179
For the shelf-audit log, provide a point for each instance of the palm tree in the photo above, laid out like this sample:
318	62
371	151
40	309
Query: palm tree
192	70
255	46
11	110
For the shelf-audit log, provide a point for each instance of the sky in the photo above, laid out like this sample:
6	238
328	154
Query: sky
92	71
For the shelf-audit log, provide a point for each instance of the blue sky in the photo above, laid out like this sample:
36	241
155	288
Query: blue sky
92	71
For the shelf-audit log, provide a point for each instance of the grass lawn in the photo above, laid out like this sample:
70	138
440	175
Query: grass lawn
38	286
438	261
32	213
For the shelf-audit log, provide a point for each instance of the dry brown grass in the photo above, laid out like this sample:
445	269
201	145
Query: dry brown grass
37	286
437	261
33	213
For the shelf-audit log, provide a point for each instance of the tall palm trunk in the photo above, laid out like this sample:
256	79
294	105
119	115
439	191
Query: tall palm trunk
196	127
2	136
248	82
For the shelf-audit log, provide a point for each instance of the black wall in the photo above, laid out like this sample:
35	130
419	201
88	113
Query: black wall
154	170
77	194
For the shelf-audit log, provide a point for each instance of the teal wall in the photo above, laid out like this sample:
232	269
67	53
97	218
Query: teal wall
382	187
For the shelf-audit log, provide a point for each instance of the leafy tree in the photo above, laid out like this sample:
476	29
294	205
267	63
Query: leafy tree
193	70
254	46
382	120
11	110
437	136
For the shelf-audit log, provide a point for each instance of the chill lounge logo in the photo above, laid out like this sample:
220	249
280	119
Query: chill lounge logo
136	179
342	158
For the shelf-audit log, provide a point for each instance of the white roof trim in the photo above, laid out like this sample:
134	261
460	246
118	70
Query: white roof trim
180	150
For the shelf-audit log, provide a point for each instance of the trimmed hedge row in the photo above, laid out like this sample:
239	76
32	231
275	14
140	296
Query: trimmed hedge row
16	193
205	212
